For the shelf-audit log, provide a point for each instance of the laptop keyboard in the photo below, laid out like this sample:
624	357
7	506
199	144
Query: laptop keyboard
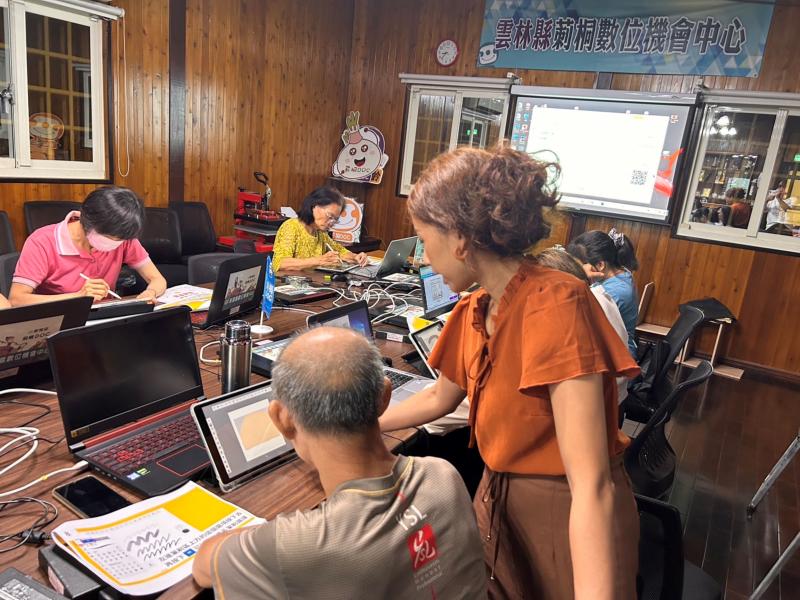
397	379
368	271
148	446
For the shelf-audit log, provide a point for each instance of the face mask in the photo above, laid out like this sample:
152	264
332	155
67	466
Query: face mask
102	243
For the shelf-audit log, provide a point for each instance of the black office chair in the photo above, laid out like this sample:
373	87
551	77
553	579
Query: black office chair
650	460
648	391
204	268
664	574
8	262
244	246
162	240
6	234
46	212
197	229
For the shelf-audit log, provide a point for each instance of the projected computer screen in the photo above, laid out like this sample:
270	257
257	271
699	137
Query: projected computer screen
616	157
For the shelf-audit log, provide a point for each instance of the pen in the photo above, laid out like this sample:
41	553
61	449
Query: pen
117	296
328	246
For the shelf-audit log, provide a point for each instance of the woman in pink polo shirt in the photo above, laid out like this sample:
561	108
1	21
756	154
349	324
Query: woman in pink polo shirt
83	254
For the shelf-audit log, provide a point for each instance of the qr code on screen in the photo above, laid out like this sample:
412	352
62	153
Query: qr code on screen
638	177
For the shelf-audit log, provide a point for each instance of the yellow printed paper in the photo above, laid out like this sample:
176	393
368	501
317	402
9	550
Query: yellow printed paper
149	546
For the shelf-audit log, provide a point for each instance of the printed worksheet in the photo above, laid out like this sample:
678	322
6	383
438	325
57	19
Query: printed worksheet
149	546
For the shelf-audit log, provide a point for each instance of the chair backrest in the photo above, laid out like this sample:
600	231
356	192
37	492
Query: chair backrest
6	234
660	574
688	320
162	235
196	227
650	460
46	212
8	262
243	246
644	300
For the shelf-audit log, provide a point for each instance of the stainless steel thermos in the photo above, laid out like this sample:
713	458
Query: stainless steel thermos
236	345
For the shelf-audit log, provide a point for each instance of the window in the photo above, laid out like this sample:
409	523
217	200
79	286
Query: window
52	109
447	112
745	183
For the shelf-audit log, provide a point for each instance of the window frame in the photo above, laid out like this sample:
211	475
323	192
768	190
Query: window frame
456	87
21	167
782	106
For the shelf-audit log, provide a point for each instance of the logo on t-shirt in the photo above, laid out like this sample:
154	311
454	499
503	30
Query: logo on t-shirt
422	547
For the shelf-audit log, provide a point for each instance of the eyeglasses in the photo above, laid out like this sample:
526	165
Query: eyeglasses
331	218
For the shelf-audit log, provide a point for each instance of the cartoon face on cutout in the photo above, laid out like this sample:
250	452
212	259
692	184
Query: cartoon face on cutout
487	54
361	155
351	216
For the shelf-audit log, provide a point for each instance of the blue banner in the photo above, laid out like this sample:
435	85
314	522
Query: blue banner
678	37
269	289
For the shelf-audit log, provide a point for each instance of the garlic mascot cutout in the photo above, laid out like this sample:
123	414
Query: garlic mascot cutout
363	157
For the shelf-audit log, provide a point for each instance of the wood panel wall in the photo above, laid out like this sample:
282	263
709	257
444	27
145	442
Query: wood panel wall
266	91
389	38
269	84
148	95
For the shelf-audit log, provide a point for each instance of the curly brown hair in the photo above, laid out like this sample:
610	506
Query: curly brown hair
494	197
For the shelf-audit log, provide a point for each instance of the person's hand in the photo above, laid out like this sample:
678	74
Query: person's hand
361	259
592	273
329	259
96	288
148	294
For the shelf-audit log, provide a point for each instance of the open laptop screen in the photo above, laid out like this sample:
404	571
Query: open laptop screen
437	296
352	316
115	373
24	330
242	287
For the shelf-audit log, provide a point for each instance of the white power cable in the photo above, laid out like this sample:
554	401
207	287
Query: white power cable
78	466
209	361
25	435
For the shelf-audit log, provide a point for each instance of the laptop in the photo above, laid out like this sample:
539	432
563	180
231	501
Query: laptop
291	294
356	316
238	290
239	435
24	331
437	298
124	390
393	260
436	302
111	309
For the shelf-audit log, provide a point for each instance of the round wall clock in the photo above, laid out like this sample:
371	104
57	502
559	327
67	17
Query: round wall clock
446	52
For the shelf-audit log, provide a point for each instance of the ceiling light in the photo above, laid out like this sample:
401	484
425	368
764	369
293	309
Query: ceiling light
724	121
723	131
732	131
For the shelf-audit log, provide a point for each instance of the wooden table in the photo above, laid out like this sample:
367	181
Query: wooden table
290	487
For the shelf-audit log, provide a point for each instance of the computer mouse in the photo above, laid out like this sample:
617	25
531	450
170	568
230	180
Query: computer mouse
339	277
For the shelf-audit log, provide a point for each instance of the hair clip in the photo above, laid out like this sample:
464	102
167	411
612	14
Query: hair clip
617	237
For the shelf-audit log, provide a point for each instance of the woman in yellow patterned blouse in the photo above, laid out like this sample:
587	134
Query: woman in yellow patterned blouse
304	243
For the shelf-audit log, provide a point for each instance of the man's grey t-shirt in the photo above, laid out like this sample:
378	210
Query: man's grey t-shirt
411	534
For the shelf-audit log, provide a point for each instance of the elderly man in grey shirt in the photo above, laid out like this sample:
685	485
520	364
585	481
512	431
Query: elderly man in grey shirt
391	527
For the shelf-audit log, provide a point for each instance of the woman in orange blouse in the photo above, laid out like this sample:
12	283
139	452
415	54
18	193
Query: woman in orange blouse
535	354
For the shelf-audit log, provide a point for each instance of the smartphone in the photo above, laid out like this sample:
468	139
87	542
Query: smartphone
89	497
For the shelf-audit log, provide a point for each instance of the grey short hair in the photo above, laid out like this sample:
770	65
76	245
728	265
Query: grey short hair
337	400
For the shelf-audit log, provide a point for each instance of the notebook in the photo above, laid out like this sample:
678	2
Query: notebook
124	390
